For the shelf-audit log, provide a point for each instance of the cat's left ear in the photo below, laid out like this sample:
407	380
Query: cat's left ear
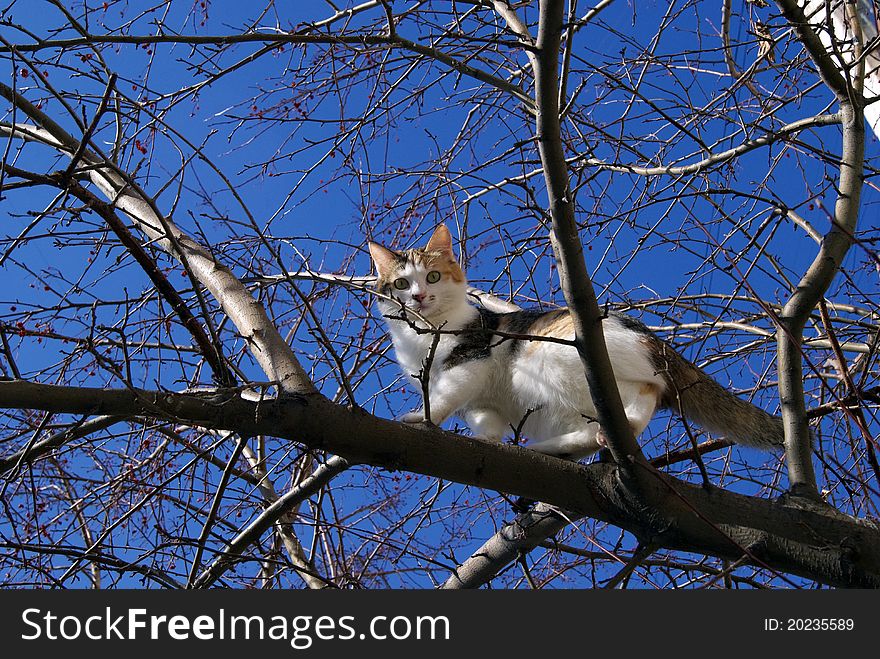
384	258
441	241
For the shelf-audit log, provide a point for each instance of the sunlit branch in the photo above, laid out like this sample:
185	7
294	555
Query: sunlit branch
268	347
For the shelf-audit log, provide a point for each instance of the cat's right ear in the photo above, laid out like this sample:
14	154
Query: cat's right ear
441	241
383	257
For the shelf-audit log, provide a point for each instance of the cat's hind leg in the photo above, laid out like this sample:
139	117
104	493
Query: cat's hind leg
640	401
487	424
572	445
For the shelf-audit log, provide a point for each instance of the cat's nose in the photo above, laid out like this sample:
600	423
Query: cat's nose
418	297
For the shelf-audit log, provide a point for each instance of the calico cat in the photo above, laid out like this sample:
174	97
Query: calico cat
503	374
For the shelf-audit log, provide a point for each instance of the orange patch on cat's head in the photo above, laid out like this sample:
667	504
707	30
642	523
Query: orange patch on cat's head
443	262
436	255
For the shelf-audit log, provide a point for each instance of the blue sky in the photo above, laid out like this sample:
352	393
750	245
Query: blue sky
407	177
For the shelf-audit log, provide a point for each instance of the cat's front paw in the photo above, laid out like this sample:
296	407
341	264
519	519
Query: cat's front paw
416	416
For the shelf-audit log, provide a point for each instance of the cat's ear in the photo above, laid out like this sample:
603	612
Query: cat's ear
384	258
441	241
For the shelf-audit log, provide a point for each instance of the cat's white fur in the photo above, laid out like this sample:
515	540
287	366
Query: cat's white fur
539	390
541	394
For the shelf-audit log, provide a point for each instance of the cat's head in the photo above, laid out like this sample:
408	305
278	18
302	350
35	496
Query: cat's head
427	279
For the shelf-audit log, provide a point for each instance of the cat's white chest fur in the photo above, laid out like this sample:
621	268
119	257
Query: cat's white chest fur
416	349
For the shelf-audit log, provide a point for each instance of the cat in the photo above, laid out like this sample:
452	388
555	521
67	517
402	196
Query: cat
482	366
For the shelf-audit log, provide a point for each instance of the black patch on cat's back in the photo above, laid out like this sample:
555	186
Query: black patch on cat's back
475	341
521	322
631	323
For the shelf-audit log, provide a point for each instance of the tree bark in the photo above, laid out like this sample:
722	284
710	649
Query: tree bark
567	248
786	536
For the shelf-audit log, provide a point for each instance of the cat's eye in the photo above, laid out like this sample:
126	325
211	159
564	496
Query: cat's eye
401	283
433	277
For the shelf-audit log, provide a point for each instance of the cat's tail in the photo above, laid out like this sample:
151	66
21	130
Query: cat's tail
693	394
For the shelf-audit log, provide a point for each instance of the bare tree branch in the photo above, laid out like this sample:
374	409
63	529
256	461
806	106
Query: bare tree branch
826	265
567	246
785	535
269	348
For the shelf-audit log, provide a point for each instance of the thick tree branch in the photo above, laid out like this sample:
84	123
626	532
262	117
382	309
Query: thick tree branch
828	68
515	538
810	289
567	247
266	343
786	536
284	523
833	248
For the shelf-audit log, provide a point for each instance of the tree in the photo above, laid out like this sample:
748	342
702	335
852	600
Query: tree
197	390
